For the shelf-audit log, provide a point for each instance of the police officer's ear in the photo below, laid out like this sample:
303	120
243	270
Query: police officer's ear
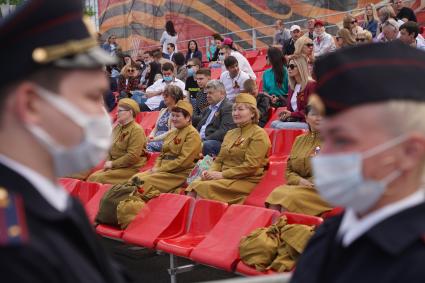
24	102
413	152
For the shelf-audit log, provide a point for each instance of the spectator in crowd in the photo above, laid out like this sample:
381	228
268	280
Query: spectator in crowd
310	28
111	46
109	100
219	42
128	152
128	60
181	70
371	19
193	51
168	36
180	151
298	194
350	23
289	45
242	160
155	67
171	95
385	13
216	120
242	61
128	81
304	46
390	31
364	37
281	34
301	86
403	13
233	78
324	42
211	50
263	101
147	59
408	34
171	49
344	38
191	86
275	79
200	103
154	92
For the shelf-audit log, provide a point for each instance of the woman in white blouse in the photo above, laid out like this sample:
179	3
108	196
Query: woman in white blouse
301	86
168	36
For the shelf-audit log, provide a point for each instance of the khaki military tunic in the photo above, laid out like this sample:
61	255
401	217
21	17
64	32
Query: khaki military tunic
128	155
180	151
292	196
242	160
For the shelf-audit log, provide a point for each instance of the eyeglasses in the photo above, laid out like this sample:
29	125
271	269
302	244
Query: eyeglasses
361	39
131	70
353	22
221	53
292	66
190	66
309	44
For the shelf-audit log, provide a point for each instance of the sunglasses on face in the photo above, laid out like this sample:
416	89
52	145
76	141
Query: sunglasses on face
309	44
361	39
221	53
131	70
353	22
292	66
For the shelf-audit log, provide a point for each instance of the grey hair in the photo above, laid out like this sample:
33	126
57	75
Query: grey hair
404	116
216	85
391	23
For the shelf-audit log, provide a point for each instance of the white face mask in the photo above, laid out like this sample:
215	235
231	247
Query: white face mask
339	178
94	145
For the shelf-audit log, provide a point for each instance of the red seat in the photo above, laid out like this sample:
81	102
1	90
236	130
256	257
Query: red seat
275	176
283	140
260	63
70	184
92	206
162	218
147	119
298	218
251	55
86	191
205	216
215	73
275	116
244	269
152	156
221	246
334	212
114	114
109	231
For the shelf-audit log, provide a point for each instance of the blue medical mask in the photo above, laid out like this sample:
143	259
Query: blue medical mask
339	178
190	72
168	78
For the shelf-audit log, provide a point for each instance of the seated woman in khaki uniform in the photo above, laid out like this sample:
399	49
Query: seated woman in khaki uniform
241	163
299	194
180	151
128	152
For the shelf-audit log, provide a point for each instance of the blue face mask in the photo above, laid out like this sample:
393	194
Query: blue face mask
168	79
340	181
190	72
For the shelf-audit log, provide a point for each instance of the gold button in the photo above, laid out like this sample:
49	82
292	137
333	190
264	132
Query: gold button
39	55
14	231
4	198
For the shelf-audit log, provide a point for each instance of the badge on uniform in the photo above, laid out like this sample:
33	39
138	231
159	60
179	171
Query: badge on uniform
123	135
239	141
177	140
13	228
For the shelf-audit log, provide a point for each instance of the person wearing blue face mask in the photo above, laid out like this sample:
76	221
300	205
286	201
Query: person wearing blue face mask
372	163
154	92
53	123
192	66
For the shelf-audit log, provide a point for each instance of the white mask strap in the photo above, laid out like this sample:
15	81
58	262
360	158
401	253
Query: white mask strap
384	146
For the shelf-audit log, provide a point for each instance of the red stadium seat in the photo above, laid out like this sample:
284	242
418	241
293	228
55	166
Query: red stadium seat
244	269
260	63
92	206
251	55
275	116
283	140
275	176
86	191
114	114
147	119
163	217
205	216
215	73
70	184
221	246
334	212
109	231
152	156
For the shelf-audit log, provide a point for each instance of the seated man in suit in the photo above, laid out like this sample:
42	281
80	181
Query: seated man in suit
216	119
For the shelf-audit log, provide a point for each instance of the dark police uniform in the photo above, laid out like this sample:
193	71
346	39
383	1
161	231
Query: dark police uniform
393	249
41	241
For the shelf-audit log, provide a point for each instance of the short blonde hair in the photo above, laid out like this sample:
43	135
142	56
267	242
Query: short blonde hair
299	44
302	65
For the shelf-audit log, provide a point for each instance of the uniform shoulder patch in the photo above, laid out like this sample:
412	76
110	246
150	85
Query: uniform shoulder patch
13	226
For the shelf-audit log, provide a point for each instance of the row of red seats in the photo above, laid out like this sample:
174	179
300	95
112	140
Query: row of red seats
206	231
